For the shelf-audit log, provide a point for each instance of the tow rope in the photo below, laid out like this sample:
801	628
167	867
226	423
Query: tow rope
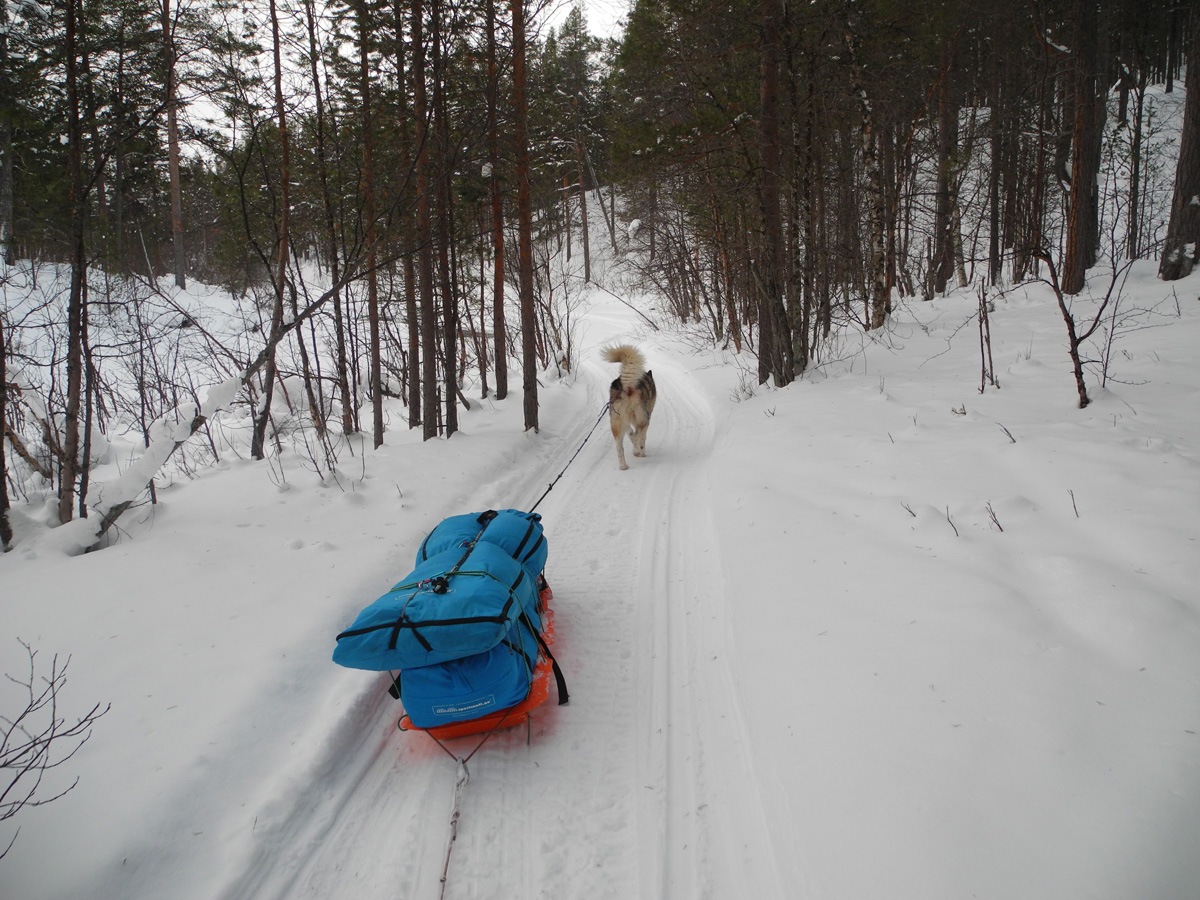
460	784
463	775
572	459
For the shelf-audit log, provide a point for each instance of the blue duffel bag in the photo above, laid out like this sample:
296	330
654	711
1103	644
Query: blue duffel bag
474	686
518	533
455	604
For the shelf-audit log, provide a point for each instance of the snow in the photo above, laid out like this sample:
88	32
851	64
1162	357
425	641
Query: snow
804	659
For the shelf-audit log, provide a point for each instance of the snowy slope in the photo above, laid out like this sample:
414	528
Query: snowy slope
804	659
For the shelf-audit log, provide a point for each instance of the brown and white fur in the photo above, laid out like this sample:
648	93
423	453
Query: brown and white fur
630	400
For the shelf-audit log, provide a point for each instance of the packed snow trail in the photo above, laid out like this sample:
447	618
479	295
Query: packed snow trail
643	786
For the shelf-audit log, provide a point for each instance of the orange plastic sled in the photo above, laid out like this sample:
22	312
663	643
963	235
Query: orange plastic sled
543	675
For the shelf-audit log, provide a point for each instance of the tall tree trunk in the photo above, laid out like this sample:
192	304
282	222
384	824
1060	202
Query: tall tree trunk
808	218
168	40
1028	255
499	336
1133	236
445	222
349	404
879	302
6	532
1183	231
6	164
413	332
78	255
524	222
368	126
774	342
480	332
995	260
90	380
609	220
583	215
942	265
407	231
259	440
1173	52
429	394
1085	156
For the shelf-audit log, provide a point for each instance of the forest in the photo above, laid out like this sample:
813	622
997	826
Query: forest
383	188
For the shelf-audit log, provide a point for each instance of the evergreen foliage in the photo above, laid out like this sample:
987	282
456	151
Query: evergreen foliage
793	166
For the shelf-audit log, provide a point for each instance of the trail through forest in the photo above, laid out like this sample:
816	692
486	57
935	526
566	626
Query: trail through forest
624	792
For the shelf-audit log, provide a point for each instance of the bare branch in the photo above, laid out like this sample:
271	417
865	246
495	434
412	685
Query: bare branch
38	740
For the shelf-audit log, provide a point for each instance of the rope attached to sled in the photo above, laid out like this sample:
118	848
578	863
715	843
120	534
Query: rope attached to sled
463	774
460	785
572	459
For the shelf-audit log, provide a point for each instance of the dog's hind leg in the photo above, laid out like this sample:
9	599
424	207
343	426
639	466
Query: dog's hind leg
638	439
619	439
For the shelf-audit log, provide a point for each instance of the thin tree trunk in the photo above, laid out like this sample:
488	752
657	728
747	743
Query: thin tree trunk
259	440
566	197
168	40
6	163
89	411
499	336
609	221
773	340
6	532
942	265
583	216
1085	157
524	222
880	299
995	261
481	340
1032	245
76	300
376	352
429	392
349	406
1134	221
445	222
890	172
407	241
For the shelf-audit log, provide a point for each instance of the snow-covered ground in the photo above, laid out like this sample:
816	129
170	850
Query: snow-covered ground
875	635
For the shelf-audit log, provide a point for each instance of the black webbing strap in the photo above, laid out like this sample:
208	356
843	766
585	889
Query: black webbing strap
559	680
401	622
534	519
441	583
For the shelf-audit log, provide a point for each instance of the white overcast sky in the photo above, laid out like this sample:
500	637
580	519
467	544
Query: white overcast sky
603	16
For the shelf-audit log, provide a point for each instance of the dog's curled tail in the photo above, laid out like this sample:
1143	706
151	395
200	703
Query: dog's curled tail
633	364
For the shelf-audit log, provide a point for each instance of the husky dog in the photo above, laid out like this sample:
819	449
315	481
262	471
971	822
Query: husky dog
630	400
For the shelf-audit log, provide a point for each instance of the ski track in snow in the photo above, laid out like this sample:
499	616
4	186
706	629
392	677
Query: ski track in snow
642	786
